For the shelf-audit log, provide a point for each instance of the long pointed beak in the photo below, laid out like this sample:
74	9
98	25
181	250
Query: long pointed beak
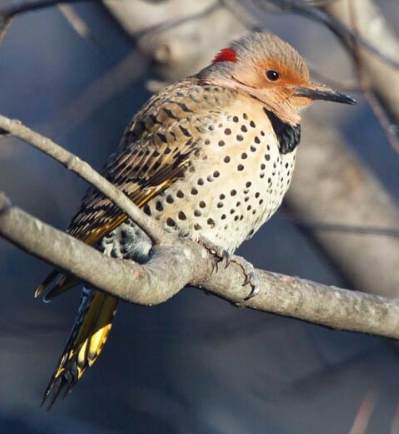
318	92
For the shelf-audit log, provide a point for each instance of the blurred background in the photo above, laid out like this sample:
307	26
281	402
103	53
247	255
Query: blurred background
195	364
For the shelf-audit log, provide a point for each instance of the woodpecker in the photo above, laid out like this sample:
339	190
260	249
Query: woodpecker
210	156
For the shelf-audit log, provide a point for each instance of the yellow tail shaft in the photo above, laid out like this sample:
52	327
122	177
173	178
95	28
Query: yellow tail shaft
88	337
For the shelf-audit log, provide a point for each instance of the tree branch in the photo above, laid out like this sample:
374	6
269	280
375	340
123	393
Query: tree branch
85	171
171	267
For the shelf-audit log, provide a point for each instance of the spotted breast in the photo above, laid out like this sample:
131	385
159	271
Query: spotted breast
236	174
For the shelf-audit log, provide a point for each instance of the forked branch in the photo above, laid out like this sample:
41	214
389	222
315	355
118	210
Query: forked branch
174	266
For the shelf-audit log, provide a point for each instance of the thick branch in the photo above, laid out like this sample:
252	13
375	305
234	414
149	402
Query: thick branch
124	279
171	268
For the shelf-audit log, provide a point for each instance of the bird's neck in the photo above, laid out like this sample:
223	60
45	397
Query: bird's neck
283	119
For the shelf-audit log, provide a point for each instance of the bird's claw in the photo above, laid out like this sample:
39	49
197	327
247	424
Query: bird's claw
219	253
250	276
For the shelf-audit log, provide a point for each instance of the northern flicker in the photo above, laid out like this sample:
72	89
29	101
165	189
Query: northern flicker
211	156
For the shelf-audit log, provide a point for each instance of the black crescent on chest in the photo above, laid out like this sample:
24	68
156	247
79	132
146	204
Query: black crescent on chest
288	136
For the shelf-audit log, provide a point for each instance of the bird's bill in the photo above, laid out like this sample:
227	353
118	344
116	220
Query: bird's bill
318	92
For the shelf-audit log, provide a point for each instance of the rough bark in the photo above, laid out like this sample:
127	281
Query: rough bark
172	267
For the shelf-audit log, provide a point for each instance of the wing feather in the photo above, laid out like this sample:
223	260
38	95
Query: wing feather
155	150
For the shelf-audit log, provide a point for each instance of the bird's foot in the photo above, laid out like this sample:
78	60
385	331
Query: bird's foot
218	252
250	276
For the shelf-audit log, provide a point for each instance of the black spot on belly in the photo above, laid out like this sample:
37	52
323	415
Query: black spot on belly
211	222
170	222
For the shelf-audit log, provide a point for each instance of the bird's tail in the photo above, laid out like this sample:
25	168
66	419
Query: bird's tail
87	339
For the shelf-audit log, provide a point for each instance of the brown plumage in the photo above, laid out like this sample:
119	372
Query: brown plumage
211	156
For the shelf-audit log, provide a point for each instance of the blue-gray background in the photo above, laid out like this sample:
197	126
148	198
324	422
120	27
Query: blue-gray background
195	364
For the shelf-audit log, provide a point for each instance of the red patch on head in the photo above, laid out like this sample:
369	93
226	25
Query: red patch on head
225	55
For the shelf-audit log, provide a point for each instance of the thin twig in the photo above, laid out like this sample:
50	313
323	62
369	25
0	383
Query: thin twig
391	129
4	26
74	20
364	412
86	172
346	228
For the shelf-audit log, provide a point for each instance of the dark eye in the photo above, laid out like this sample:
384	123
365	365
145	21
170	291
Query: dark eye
272	75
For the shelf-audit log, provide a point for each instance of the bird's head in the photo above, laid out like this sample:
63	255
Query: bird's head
270	70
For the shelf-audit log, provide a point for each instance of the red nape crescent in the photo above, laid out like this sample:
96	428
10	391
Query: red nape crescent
225	55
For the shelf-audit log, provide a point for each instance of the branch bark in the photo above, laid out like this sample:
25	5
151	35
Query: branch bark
173	266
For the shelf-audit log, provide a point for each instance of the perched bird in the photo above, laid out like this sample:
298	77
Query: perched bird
211	156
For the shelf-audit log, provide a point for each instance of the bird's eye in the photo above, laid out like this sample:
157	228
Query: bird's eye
272	75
